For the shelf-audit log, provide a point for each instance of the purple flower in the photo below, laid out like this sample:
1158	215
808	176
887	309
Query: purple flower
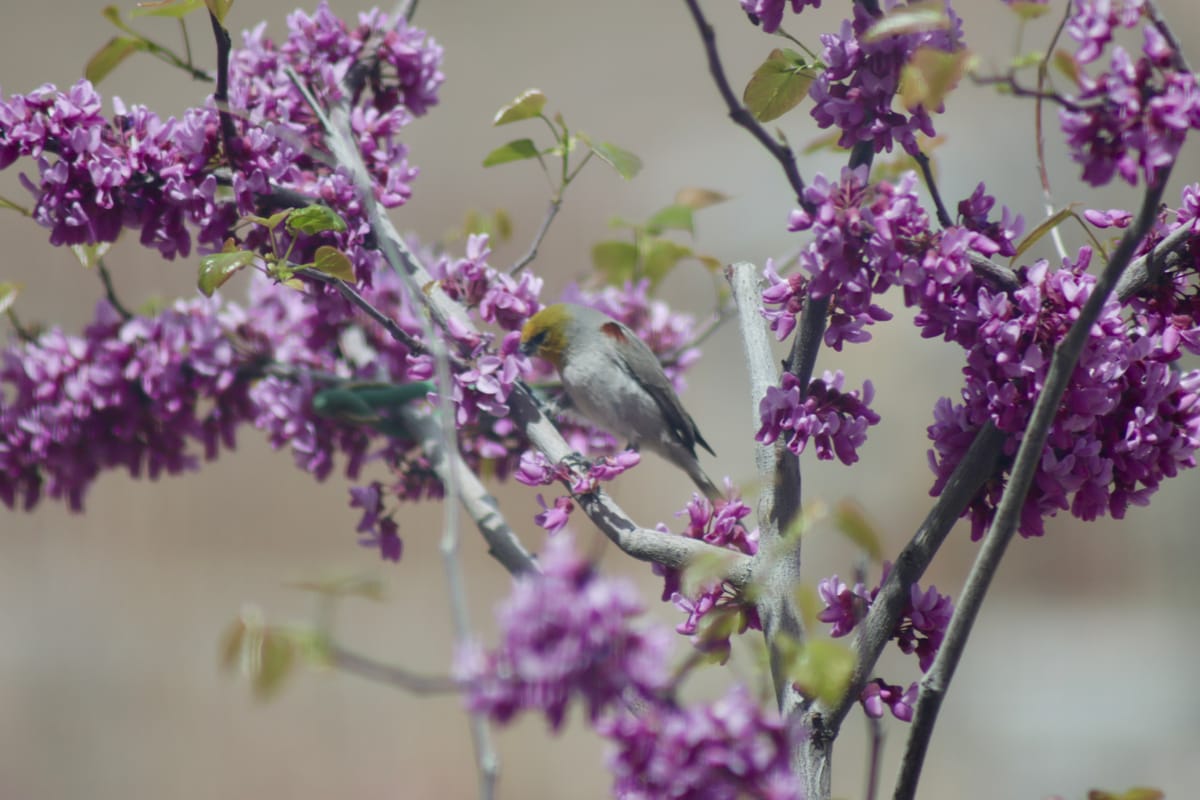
723	751
566	633
877	694
861	80
835	421
554	518
770	12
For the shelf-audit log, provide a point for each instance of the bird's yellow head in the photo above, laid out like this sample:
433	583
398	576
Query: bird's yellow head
545	334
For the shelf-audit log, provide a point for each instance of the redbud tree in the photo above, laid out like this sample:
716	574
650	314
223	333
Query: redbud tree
383	355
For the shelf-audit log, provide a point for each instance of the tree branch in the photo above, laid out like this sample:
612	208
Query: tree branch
937	680
739	113
396	677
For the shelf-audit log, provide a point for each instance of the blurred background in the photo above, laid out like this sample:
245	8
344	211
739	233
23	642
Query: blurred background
1079	672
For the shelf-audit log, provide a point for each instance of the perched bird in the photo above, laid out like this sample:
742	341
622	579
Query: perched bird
616	381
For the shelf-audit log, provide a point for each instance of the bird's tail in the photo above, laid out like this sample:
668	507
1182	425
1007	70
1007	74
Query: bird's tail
702	481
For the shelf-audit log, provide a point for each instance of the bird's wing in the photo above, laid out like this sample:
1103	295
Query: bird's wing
643	366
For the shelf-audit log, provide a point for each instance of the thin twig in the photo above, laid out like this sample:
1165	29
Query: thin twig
714	323
525	260
943	217
739	113
344	149
109	292
1179	60
221	93
1146	269
1008	512
354	297
389	675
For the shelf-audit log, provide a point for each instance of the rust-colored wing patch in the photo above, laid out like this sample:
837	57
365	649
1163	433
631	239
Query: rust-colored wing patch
614	331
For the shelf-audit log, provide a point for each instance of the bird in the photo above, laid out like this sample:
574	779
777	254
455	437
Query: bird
614	380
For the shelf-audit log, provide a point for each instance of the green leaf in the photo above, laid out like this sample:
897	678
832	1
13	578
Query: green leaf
272	222
526	105
8	295
675	217
217	268
850	520
167	8
315	219
1029	10
113	15
516	150
1066	63
1048	224
659	257
921	17
334	262
822	669
108	57
696	198
706	571
343	405
930	75
624	162
219	9
616	261
276	657
778	85
1136	793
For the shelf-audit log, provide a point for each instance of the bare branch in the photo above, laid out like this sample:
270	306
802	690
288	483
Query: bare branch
525	260
396	677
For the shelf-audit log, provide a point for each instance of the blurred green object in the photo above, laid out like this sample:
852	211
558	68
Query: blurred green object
370	404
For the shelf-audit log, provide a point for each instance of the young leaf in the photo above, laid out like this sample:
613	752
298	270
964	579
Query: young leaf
927	15
517	150
616	260
276	657
624	162
659	257
778	85
217	268
167	8
930	75
334	262
696	198
1028	9
676	217
219	9
8	295
314	219
90	254
349	586
1065	63
1048	224
108	57
526	105
850	520
822	669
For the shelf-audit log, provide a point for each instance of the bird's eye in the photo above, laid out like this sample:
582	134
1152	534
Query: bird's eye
536	340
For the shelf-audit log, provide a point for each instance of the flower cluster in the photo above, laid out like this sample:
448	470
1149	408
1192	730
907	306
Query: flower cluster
145	394
723	751
864	239
1093	21
566	633
861	79
721	526
1132	120
97	176
569	634
835	421
1128	418
920	629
